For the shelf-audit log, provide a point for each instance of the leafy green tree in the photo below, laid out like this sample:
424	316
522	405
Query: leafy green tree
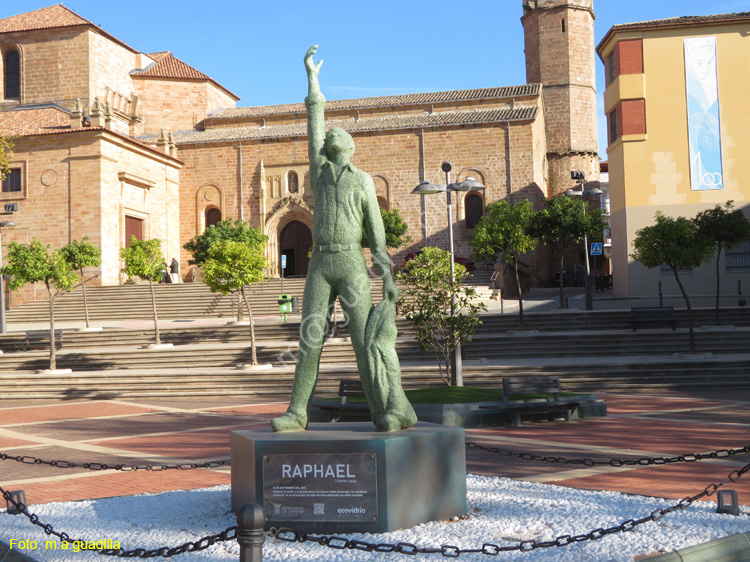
727	228
143	259
38	263
395	230
503	228
6	151
229	229
81	255
426	302
565	221
677	243
231	266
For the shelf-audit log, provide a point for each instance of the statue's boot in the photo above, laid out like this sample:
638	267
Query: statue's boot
392	420
289	422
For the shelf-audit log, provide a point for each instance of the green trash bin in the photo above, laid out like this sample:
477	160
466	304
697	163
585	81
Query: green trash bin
285	305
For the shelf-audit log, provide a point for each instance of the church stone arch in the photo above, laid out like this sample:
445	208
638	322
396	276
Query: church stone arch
287	211
382	190
208	198
471	204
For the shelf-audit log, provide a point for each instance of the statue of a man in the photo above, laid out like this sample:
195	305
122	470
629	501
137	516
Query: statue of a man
345	201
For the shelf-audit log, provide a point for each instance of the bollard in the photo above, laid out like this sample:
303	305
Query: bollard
727	503
18	496
661	296
739	288
250	520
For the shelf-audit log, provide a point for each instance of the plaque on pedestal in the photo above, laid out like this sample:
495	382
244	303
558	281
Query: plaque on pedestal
345	477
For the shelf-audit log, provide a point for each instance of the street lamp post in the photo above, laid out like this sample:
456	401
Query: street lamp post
580	178
427	188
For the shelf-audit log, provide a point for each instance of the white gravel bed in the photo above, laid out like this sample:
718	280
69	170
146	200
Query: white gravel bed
501	511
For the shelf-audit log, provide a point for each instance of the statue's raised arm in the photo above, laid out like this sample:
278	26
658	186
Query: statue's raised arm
313	86
315	103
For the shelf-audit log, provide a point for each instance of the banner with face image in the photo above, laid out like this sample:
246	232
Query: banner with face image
704	131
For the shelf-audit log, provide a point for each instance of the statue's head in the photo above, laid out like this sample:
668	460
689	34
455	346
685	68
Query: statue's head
339	145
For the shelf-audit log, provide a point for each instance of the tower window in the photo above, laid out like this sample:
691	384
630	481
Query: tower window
611	71
562	25
12	75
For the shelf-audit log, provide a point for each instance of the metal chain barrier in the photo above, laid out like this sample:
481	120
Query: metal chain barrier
120	467
449	551
341	543
227	534
644	461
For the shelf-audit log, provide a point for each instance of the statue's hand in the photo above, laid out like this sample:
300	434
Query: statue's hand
390	291
312	68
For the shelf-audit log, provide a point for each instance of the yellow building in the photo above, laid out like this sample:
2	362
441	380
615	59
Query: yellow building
679	129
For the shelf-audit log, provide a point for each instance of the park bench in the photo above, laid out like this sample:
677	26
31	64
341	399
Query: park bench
652	316
336	410
524	386
39	339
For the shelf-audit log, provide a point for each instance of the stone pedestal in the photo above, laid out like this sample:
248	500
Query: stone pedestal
346	477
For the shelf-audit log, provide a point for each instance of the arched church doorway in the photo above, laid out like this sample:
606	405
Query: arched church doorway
295	241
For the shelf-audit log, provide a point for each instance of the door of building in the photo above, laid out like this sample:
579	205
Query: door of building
133	227
295	241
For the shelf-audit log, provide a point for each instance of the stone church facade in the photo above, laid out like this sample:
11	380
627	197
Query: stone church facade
101	148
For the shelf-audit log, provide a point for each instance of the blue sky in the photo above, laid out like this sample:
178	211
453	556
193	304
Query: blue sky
371	48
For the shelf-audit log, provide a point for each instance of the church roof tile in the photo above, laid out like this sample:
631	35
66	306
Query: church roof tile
44	18
34	121
446	118
379	101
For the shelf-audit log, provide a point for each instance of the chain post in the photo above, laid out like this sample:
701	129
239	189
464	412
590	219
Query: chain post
250	521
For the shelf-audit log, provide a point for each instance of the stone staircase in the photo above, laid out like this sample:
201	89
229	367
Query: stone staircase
202	362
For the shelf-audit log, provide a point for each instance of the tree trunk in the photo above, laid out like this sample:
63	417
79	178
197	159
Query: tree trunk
520	296
718	255
52	359
689	309
240	313
157	336
562	263
253	354
85	304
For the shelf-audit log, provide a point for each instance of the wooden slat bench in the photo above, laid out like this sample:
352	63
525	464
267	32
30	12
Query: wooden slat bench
523	386
652	315
347	389
39	339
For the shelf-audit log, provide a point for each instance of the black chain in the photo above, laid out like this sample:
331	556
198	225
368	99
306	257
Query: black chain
449	551
643	461
228	534
341	543
121	467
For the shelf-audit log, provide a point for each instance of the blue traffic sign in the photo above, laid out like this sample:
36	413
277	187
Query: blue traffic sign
596	248
283	261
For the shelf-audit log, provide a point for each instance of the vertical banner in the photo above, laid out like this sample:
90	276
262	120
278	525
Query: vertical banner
704	133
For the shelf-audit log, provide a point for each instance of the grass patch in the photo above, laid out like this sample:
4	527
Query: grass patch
453	395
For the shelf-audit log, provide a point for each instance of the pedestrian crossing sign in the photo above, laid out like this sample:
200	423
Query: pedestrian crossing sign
596	248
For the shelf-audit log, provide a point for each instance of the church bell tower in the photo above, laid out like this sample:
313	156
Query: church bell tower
559	44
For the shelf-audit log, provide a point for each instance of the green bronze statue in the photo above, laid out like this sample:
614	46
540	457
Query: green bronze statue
345	201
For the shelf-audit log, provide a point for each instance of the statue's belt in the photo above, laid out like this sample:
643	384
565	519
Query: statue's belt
333	248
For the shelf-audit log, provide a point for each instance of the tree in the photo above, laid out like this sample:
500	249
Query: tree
37	263
677	243
503	228
229	229
726	228
426	302
563	222
81	255
395	230
6	151
231	266
143	259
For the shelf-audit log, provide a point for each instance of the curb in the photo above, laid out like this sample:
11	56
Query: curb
734	548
